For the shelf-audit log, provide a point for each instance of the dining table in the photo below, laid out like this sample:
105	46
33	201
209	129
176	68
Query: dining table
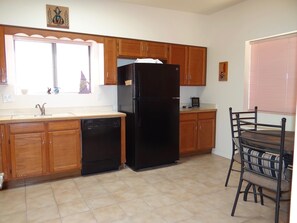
288	148
289	138
288	144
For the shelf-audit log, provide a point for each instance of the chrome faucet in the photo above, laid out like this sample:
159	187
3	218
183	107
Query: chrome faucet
41	108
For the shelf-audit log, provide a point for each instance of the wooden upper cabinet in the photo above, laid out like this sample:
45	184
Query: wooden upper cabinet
192	61
110	61
155	50
139	49
178	55
197	66
130	48
3	75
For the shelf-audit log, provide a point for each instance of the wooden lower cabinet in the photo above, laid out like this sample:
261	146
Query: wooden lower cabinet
64	147
28	154
206	130
43	148
2	146
188	133
27	149
197	132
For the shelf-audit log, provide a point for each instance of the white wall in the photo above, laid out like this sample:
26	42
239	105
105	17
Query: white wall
103	17
228	32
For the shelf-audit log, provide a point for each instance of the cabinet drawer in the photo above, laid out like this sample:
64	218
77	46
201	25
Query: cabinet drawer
188	116
206	115
63	125
26	127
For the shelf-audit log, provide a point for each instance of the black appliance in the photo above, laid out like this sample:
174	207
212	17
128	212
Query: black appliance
101	145
195	102
149	95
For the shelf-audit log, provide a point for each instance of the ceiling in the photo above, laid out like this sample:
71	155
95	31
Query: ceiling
205	7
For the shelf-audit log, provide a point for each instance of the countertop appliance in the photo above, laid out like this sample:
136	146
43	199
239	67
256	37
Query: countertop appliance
101	145
149	95
195	102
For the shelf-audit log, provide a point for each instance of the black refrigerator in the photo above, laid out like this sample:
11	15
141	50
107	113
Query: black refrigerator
149	95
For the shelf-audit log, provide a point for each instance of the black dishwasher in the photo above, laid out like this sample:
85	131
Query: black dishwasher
101	145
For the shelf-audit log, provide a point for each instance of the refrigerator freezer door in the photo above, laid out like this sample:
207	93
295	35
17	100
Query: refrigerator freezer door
160	81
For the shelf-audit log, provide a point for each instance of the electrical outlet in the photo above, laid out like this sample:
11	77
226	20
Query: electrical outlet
7	98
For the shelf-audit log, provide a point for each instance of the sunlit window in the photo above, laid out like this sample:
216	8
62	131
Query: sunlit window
49	66
273	74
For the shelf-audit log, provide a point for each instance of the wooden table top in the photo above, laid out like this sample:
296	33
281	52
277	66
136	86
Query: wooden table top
289	138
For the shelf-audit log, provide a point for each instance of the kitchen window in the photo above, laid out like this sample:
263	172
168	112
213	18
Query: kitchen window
44	65
273	74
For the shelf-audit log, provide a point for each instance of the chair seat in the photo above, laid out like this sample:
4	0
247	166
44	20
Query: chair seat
265	182
236	157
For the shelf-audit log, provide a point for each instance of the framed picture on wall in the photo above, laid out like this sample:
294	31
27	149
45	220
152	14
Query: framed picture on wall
57	16
223	71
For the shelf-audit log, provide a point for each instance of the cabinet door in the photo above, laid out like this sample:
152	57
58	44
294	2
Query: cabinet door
64	149
3	79
110	61
130	48
196	66
206	130
178	55
156	50
188	133
28	157
1	147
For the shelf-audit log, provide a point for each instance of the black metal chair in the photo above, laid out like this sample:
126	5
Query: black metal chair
246	116
262	160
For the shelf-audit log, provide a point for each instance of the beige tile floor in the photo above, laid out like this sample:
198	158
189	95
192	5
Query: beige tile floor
190	192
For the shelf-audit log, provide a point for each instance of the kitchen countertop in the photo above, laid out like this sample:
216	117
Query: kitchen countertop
58	116
83	114
199	109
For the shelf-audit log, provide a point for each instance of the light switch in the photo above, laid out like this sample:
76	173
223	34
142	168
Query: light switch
7	98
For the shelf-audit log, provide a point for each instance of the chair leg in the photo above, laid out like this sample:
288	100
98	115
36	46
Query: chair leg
229	172
246	191
261	195
255	193
237	196
277	205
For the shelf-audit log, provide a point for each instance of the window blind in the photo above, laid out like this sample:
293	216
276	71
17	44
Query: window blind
273	74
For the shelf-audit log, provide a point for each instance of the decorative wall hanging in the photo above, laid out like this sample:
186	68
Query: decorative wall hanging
223	71
57	16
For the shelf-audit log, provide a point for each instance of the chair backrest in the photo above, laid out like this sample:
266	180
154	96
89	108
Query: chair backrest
262	150
250	116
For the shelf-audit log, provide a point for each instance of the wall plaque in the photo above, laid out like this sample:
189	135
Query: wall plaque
57	16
